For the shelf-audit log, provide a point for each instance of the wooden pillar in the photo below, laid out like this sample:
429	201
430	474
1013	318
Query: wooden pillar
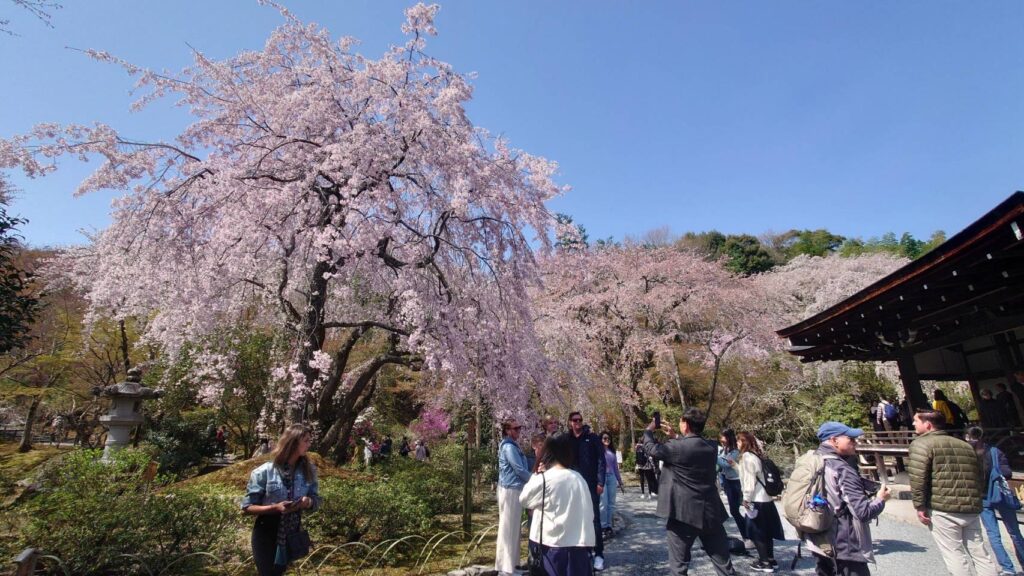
912	384
972	382
1008	367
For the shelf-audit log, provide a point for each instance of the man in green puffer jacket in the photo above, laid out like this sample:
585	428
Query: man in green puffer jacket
946	481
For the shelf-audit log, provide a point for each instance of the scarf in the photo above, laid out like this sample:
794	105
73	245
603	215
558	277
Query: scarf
291	522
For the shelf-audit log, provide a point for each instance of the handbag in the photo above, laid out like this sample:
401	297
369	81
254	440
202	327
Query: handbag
298	544
536	566
999	491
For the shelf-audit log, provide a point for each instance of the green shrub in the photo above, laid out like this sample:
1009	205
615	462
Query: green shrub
844	408
438	483
358	510
101	517
183	441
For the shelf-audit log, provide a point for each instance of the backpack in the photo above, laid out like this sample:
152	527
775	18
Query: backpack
959	416
891	413
805	502
772	477
641	458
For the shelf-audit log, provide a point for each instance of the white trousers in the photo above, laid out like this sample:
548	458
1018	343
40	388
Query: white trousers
960	540
510	512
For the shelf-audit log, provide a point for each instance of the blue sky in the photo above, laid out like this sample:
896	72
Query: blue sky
860	117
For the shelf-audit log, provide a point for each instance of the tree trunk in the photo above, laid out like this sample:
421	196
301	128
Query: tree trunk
714	384
717	369
124	346
675	374
341	449
632	428
732	406
26	434
313	334
476	443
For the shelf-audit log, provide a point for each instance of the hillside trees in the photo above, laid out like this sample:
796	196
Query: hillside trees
618	312
18	302
348	200
41	365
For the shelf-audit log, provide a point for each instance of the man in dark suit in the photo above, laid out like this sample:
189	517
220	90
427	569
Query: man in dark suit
687	495
588	457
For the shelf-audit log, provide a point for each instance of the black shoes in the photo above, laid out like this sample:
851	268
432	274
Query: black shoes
767	566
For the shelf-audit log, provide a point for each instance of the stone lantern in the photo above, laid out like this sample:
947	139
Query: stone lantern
125	409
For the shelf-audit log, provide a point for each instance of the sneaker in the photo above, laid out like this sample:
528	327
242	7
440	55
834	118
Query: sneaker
760	566
598	563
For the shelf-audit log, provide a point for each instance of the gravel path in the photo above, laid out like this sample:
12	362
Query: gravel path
640	549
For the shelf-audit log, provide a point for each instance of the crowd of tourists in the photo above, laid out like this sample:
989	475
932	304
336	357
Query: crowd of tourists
958	487
568	488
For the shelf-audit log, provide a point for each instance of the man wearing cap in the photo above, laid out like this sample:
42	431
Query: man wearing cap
947	484
847	494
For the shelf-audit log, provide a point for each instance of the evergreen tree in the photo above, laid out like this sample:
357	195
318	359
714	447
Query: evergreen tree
18	306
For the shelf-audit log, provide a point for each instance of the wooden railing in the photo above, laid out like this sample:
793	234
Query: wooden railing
880	450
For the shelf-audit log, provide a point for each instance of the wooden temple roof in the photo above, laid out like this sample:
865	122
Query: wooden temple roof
972	284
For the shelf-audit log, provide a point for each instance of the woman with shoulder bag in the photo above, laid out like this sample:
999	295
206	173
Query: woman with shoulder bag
277	493
561	533
998	498
763	523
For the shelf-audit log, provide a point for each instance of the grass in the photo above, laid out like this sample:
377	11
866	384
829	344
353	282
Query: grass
15	466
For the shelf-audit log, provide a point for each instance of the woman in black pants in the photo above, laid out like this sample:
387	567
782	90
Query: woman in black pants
763	523
277	493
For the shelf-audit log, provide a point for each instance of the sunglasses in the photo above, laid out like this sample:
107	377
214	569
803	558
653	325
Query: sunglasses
576	420
517	428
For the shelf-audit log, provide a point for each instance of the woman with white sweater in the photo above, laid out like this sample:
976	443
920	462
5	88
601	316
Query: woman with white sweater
561	533
763	523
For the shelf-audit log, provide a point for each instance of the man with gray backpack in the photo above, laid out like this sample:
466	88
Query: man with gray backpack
830	505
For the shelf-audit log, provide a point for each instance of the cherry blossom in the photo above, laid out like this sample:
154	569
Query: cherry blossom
347	199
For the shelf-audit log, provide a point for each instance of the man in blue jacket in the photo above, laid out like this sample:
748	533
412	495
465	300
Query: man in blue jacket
512	476
590	463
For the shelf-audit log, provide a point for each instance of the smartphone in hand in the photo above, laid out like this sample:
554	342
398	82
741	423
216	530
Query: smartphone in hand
657	419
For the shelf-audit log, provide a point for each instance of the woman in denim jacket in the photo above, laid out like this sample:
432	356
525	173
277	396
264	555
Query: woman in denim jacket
277	493
729	477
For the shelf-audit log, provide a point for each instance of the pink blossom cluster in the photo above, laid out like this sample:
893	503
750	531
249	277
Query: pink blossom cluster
432	425
326	192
